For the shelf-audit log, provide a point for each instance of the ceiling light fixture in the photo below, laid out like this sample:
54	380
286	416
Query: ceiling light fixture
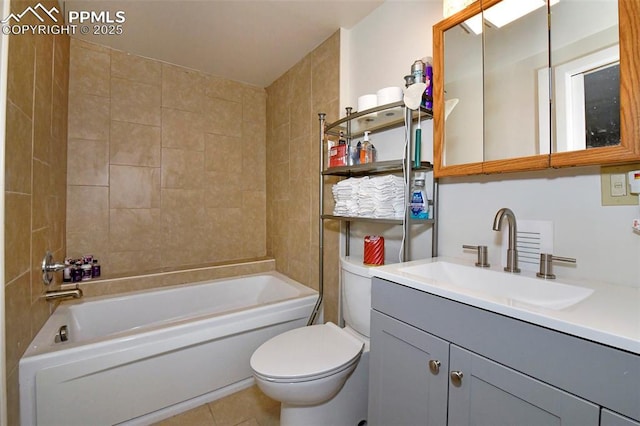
509	10
498	15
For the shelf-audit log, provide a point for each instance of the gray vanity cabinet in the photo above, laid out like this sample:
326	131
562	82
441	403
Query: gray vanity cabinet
434	361
409	374
419	379
609	418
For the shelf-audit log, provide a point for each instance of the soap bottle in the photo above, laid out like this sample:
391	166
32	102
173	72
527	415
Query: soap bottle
373	153
365	149
419	204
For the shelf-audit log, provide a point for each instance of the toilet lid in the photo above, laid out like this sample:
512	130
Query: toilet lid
305	352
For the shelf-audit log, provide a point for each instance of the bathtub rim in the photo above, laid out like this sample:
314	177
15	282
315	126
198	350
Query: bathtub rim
109	286
121	294
41	346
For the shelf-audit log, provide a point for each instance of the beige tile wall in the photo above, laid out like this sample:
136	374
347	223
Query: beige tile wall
293	104
35	179
166	166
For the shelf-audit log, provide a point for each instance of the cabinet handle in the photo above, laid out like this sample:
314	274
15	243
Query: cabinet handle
434	366
456	378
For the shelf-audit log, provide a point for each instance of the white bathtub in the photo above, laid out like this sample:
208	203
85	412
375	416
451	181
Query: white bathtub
144	356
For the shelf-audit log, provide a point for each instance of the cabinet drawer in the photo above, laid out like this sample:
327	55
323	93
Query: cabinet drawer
603	375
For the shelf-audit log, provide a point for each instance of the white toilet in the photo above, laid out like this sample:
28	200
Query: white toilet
320	373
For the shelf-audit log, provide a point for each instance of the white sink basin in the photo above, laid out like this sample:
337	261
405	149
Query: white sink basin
470	279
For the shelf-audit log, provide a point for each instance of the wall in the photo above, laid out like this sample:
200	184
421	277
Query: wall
166	166
293	103
380	49
599	237
35	191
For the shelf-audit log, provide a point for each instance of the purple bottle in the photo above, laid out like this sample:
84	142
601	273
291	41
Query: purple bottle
428	77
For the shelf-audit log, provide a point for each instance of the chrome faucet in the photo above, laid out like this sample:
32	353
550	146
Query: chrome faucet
512	252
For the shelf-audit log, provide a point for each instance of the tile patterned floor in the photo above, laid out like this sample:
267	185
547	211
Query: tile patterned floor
249	407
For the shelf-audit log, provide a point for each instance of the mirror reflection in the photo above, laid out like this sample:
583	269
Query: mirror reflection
514	52
525	89
585	61
463	89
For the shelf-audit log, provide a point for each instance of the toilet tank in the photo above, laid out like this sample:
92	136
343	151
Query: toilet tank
356	294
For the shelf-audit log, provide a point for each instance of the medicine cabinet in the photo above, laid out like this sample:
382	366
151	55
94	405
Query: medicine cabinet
556	87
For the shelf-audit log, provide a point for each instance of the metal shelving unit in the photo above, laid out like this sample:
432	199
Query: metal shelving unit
354	125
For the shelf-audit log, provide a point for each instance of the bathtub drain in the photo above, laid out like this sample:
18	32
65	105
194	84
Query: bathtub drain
63	334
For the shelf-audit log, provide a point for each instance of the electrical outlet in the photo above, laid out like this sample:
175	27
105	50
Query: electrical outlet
614	185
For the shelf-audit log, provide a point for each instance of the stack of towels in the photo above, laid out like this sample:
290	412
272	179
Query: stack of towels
377	197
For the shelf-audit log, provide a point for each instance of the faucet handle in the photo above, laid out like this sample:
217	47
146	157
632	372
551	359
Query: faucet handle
49	266
482	255
546	265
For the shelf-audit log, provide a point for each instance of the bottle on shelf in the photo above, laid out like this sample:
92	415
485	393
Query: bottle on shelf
428	79
419	203
338	152
367	150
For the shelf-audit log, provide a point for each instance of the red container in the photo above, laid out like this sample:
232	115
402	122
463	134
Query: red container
338	156
373	250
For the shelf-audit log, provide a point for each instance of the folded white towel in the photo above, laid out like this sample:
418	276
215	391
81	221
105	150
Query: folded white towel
379	197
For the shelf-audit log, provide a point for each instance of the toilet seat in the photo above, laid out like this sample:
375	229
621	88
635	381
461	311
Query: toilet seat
307	353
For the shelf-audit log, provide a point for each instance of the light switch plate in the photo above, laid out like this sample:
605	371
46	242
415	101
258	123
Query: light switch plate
610	180
618	185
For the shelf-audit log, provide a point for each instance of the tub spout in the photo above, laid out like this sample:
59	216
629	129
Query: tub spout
74	293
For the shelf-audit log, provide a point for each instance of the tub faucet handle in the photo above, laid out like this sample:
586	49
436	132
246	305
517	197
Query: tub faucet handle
483	255
546	265
49	266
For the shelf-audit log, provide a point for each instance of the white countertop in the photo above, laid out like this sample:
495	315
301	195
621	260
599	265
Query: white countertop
610	315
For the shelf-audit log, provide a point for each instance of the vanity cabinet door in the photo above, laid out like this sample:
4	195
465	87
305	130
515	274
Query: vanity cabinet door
408	375
609	418
486	393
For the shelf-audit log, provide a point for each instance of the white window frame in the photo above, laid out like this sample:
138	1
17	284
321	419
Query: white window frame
569	96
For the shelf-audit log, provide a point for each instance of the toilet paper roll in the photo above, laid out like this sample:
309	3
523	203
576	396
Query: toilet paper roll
367	101
389	95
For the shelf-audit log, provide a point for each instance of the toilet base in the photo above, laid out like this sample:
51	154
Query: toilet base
347	408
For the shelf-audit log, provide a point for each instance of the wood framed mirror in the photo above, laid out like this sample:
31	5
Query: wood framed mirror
506	116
